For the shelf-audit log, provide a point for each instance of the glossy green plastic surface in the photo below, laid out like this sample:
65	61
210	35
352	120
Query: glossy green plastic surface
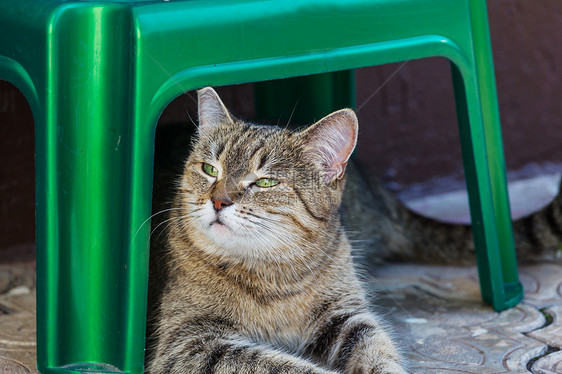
97	76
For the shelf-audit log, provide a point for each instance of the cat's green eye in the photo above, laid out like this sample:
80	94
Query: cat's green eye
266	182
210	170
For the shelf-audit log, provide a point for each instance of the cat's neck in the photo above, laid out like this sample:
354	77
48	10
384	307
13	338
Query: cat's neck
265	275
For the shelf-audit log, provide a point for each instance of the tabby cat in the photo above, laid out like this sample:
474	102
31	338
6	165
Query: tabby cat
259	275
373	216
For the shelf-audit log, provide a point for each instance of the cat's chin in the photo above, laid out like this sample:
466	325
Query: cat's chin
227	243
225	239
231	247
221	231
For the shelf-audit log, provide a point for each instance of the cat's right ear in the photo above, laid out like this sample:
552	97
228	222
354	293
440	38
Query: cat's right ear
331	141
211	111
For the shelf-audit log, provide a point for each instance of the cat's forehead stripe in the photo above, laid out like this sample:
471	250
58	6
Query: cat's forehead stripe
238	149
219	149
264	154
248	143
257	148
263	159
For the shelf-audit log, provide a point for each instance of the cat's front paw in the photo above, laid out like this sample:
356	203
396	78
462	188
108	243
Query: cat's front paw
378	368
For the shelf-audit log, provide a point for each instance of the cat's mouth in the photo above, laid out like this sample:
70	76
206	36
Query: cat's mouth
217	222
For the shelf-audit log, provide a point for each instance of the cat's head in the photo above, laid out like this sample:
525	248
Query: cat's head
263	192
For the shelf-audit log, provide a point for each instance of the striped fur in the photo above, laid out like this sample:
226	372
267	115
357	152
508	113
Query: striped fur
260	280
380	222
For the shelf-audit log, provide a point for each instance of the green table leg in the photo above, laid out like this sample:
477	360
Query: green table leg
484	162
94	177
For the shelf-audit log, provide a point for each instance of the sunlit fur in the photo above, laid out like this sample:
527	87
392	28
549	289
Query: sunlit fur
265	284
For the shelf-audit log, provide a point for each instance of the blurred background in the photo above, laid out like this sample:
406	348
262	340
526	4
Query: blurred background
408	133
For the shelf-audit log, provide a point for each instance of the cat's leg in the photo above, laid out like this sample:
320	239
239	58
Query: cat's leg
356	343
226	355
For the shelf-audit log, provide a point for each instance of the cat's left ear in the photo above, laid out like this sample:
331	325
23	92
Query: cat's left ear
331	141
211	110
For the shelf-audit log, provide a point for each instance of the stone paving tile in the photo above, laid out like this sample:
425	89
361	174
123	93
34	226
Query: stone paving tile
443	326
550	364
17	319
542	283
551	334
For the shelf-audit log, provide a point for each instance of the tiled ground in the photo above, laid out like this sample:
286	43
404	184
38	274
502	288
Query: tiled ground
17	318
444	327
436	311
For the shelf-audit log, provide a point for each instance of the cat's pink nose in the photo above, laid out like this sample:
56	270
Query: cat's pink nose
220	203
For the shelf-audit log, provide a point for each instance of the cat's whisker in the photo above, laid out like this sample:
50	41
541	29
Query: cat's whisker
189	116
162	223
289	236
291	116
168	222
296	251
273	256
276	254
148	220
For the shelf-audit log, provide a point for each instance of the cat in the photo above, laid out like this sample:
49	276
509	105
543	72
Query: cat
373	216
259	275
390	232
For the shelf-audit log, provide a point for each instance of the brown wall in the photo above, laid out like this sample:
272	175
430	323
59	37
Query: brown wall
17	205
408	128
412	120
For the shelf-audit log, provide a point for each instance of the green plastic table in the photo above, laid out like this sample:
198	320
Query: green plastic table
98	74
